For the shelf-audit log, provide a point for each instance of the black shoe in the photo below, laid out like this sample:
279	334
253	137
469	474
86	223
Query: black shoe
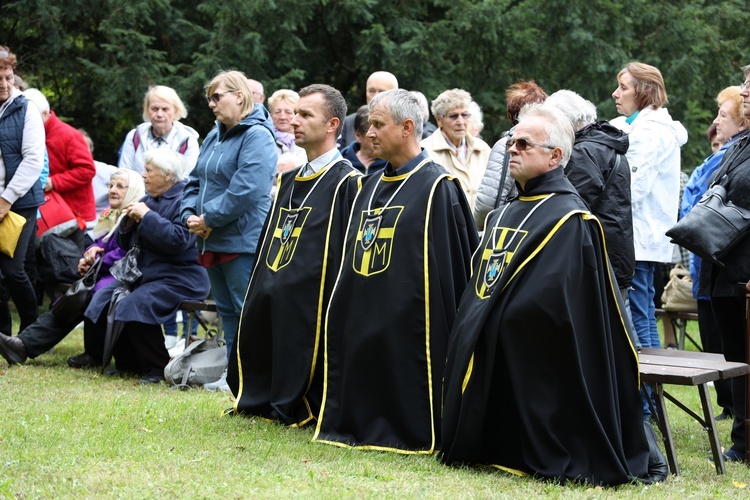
12	349
84	360
152	379
113	373
732	455
724	415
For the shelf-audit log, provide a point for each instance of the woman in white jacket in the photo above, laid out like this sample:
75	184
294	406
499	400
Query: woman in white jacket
654	159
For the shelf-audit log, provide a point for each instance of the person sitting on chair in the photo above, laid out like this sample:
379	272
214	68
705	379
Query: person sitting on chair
125	187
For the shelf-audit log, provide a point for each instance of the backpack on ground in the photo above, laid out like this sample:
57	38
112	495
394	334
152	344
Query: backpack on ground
203	362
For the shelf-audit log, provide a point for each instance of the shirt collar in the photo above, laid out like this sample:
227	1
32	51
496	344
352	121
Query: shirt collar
323	160
406	167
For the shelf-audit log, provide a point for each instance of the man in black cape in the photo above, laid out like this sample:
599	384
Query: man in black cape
406	262
275	370
541	377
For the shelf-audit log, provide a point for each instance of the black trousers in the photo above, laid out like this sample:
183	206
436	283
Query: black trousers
729	313
46	332
17	282
711	341
141	349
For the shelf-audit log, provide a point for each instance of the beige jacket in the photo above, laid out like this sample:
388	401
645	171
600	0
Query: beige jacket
470	175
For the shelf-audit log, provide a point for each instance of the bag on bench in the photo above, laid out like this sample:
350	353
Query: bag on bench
678	293
203	362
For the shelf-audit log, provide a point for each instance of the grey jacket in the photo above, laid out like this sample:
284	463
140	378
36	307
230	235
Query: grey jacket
489	196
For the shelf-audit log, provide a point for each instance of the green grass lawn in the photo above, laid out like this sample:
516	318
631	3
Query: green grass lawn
74	433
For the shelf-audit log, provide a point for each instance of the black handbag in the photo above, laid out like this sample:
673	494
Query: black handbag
72	304
712	227
126	270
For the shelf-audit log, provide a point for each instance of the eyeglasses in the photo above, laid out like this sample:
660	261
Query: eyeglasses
454	116
745	85
117	185
522	144
216	96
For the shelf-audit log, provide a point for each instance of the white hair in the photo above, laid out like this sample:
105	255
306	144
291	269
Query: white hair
171	163
477	118
578	110
36	96
559	130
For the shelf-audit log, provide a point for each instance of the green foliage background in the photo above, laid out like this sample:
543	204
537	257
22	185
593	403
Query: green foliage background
95	59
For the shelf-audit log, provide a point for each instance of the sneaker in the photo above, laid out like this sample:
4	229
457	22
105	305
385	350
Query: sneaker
219	385
177	348
170	341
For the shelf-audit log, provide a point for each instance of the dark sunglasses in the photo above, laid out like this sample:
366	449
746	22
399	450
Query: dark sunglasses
216	96
522	144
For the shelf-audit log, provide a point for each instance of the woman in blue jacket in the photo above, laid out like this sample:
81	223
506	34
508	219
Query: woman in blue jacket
228	195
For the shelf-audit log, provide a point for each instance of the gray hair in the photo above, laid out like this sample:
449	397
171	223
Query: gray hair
579	111
169	162
559	129
477	118
403	105
423	103
448	100
166	94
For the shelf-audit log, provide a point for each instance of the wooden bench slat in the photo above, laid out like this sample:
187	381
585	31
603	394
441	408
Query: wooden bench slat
677	375
726	369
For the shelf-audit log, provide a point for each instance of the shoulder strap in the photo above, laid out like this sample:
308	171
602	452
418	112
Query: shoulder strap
612	173
183	146
136	139
506	164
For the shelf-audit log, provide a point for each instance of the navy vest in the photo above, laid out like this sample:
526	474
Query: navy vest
11	141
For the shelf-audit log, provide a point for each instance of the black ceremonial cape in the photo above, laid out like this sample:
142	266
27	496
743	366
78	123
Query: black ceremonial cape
275	371
541	377
392	309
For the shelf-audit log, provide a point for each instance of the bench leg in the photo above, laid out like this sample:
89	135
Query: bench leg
662	421
710	426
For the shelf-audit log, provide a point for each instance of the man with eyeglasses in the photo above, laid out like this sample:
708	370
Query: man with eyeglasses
721	282
257	89
452	146
276	369
405	265
541	378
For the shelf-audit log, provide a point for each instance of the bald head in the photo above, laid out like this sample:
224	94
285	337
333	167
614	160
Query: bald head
257	89
380	81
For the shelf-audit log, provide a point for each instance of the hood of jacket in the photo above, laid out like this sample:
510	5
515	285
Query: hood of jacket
606	134
258	116
662	117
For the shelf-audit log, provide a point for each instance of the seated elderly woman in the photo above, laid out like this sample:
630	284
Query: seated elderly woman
360	153
168	261
281	105
125	187
452	146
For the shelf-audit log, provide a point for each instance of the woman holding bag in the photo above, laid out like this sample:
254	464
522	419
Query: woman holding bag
125	187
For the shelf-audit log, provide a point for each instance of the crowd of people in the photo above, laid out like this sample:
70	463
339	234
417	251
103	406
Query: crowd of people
399	285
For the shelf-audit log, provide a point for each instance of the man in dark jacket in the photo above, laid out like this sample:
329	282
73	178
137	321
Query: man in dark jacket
599	171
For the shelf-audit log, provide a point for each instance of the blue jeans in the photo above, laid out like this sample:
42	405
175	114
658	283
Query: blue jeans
228	287
642	306
643	312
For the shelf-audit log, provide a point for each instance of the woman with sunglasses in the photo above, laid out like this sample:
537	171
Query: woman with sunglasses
452	146
228	195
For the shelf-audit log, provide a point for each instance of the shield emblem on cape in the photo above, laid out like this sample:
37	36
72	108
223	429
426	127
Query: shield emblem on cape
370	230
288	227
494	269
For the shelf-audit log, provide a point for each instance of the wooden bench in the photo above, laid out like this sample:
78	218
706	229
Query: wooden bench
679	320
192	308
669	366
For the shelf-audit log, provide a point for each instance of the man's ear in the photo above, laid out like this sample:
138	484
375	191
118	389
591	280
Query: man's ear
556	158
407	127
333	124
